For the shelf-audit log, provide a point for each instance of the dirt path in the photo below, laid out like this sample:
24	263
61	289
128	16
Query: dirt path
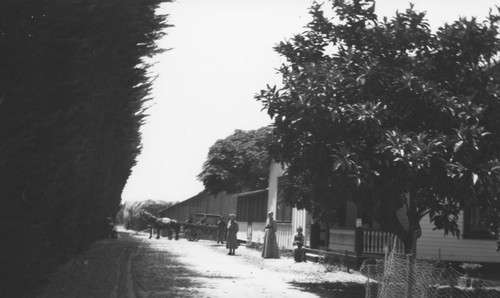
134	266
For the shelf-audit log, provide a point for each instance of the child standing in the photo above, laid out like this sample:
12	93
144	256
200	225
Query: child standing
298	243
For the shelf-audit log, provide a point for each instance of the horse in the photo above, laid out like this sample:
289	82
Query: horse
159	223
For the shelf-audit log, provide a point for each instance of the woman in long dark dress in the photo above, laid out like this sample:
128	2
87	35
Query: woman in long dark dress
221	230
232	230
270	250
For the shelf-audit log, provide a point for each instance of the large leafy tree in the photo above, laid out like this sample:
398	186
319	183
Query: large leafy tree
238	163
388	114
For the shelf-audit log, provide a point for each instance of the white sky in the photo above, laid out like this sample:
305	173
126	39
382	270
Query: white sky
221	55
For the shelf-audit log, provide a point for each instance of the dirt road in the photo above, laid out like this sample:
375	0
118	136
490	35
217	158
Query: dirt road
134	266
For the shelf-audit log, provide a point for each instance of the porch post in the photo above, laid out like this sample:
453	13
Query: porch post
358	241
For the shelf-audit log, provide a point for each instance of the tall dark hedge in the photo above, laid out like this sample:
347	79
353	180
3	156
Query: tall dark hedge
72	91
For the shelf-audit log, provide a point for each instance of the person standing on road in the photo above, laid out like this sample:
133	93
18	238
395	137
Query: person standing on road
232	230
203	220
112	232
270	248
221	230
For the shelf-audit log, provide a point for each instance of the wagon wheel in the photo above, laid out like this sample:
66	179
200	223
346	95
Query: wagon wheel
188	235
193	235
196	234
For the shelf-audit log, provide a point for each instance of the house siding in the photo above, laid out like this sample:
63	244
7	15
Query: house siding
284	235
434	243
285	232
223	204
341	239
242	231
252	206
258	232
251	229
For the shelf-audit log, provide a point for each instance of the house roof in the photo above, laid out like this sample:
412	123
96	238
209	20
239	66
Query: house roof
249	193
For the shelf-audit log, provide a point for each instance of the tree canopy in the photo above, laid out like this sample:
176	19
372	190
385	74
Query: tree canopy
389	114
238	163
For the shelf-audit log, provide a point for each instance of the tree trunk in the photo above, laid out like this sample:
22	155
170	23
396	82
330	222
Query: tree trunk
386	216
414	230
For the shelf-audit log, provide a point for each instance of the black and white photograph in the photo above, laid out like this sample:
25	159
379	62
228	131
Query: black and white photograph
238	148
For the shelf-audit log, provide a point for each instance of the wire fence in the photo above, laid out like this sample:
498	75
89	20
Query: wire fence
399	275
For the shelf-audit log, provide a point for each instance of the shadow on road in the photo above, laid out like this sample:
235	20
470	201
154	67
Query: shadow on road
124	267
332	289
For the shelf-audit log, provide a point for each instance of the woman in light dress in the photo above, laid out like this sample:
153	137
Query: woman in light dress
270	250
232	230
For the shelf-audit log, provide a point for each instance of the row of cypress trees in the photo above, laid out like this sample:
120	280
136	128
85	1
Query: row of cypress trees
73	87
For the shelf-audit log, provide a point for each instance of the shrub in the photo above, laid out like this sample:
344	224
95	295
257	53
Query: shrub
471	269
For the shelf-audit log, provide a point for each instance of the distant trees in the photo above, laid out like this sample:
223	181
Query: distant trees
387	114
238	163
73	84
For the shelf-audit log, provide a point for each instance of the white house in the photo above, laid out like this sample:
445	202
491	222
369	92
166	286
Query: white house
474	244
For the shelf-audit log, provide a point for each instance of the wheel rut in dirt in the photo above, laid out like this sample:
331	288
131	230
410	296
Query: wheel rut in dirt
126	285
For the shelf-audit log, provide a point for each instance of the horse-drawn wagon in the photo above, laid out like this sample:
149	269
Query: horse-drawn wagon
161	223
194	232
205	227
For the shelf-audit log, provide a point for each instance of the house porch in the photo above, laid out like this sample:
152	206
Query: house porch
351	246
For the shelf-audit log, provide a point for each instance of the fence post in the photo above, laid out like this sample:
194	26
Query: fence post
409	263
346	263
450	280
368	287
358	241
386	256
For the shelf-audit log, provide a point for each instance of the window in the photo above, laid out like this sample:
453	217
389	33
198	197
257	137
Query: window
283	210
252	207
474	225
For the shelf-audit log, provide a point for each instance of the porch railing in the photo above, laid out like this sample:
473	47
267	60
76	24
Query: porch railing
363	241
374	241
342	239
